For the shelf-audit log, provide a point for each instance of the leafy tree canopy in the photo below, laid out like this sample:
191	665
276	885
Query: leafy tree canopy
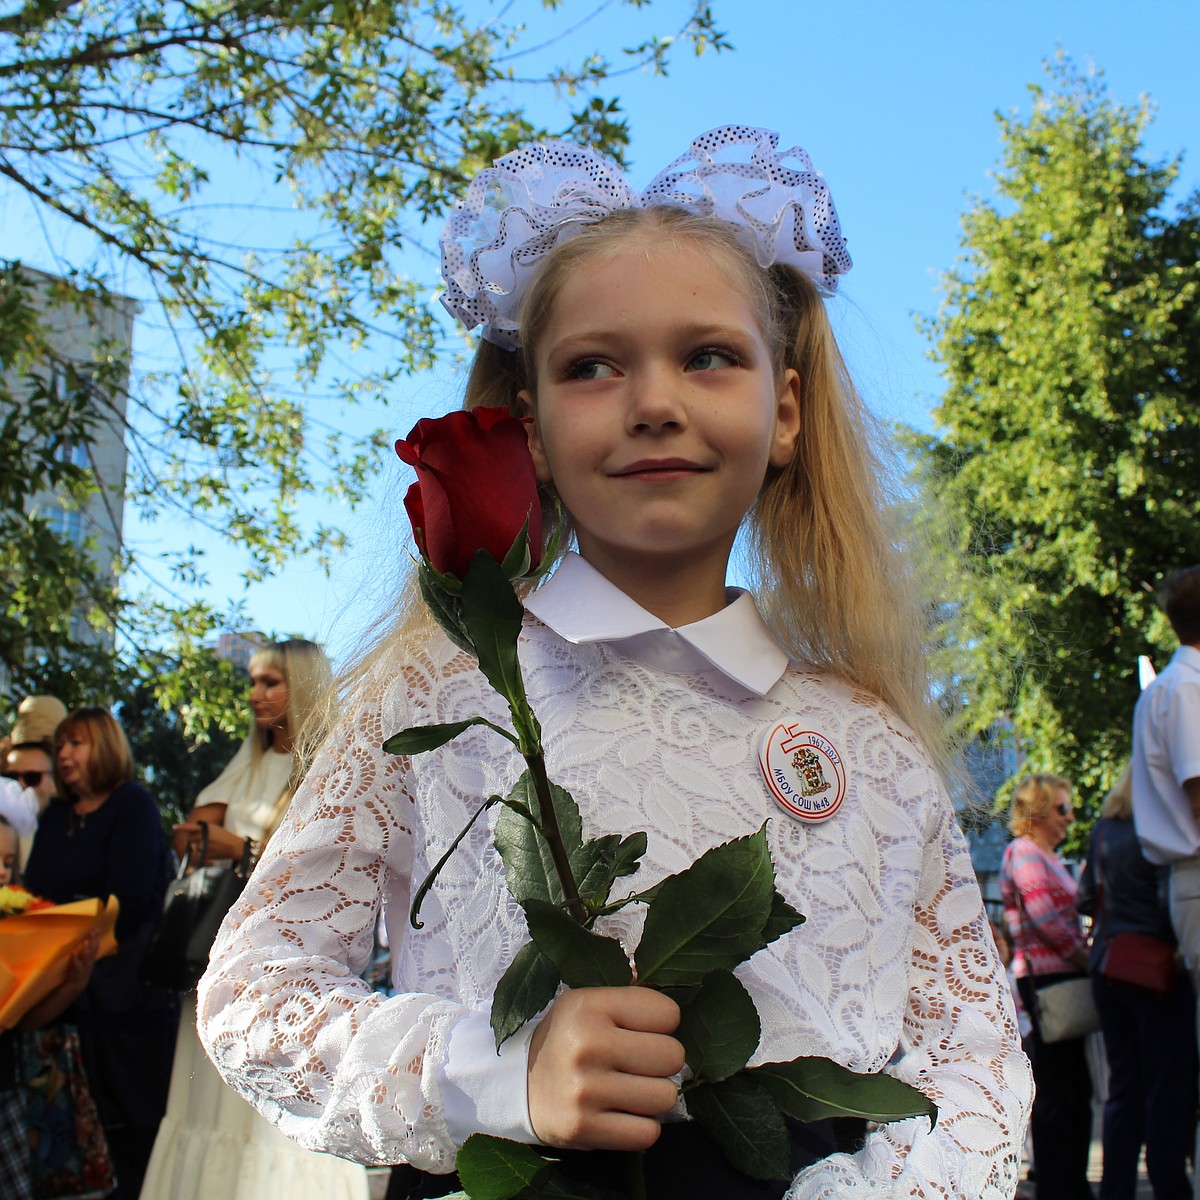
260	177
1069	431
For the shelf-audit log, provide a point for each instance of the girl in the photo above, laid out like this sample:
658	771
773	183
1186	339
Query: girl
210	1142
682	381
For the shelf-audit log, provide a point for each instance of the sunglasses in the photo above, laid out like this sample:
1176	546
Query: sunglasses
1062	809
29	779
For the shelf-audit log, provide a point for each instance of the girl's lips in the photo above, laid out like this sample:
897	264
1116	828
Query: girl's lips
666	467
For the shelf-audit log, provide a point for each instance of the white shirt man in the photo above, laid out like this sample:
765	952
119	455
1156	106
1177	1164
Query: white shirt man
1166	772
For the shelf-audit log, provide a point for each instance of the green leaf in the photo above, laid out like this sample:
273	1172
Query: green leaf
524	989
742	1119
582	958
782	919
516	561
529	869
420	738
444	606
811	1089
493	1168
592	864
710	915
598	863
492	614
719	1027
436	870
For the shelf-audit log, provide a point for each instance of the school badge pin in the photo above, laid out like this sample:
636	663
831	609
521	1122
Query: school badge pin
804	773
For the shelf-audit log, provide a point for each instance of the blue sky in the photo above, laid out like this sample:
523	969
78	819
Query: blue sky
895	102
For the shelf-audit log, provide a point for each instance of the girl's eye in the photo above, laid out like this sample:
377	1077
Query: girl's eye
712	359
590	368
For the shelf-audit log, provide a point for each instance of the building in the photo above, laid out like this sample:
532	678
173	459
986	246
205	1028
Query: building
76	358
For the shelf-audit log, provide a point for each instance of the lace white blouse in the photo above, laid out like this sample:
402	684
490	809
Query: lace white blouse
895	967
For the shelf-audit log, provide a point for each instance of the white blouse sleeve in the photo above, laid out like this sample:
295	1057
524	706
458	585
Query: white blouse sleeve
282	1011
960	1046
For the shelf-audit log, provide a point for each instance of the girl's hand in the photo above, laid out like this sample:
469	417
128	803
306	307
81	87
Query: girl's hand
600	1063
79	971
221	843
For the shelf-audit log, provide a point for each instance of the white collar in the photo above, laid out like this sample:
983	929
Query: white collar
581	606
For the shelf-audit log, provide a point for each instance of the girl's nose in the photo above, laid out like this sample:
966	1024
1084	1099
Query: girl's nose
656	402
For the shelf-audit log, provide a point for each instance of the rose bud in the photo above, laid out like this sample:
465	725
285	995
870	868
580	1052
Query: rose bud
476	488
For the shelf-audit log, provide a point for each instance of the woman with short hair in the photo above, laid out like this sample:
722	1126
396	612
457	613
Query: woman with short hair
102	835
1039	908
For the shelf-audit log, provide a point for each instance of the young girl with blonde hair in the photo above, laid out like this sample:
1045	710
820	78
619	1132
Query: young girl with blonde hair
671	350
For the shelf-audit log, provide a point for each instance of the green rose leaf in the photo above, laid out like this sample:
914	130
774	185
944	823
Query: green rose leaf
493	1168
420	738
599	863
718	1026
525	988
582	958
709	916
811	1089
742	1119
528	867
442	596
492	615
783	918
592	866
518	560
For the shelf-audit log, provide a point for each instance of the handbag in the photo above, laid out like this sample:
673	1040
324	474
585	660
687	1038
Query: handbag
1139	959
1065	1010
68	1153
1142	960
195	905
1061	1010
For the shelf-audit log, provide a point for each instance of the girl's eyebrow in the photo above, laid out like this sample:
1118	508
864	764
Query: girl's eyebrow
699	333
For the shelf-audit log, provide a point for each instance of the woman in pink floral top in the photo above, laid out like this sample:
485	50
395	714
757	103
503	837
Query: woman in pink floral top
1047	936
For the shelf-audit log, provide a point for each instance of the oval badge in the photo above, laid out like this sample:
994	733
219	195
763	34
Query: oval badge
804	773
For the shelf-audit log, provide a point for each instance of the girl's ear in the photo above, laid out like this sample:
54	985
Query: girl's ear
787	420
536	449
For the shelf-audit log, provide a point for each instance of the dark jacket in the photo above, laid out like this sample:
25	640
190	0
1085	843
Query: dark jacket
1120	889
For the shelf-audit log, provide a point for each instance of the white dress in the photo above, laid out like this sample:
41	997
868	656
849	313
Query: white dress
895	967
212	1145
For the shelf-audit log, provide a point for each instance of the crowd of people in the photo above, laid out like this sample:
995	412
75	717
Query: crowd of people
82	827
1139	880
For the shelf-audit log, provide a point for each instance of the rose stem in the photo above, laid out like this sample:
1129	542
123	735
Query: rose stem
558	852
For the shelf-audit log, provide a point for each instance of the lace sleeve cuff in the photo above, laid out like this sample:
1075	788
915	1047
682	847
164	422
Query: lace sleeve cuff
484	1090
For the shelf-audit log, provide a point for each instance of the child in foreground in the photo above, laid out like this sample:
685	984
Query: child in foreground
672	351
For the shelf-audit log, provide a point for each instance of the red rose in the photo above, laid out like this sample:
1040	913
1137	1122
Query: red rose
476	487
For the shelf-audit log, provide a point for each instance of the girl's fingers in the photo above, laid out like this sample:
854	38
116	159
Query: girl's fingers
637	1095
650	1054
621	1131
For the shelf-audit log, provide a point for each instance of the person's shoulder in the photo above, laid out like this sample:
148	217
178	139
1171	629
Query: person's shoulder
808	691
132	798
404	678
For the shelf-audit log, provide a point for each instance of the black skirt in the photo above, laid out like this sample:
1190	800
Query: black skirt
684	1164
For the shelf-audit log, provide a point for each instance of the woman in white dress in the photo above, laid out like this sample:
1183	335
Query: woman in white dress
211	1143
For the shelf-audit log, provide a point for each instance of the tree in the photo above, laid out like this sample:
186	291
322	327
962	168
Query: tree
156	140
1069	432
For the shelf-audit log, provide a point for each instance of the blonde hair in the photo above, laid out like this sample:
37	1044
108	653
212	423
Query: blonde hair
835	576
1034	797
1118	804
306	670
